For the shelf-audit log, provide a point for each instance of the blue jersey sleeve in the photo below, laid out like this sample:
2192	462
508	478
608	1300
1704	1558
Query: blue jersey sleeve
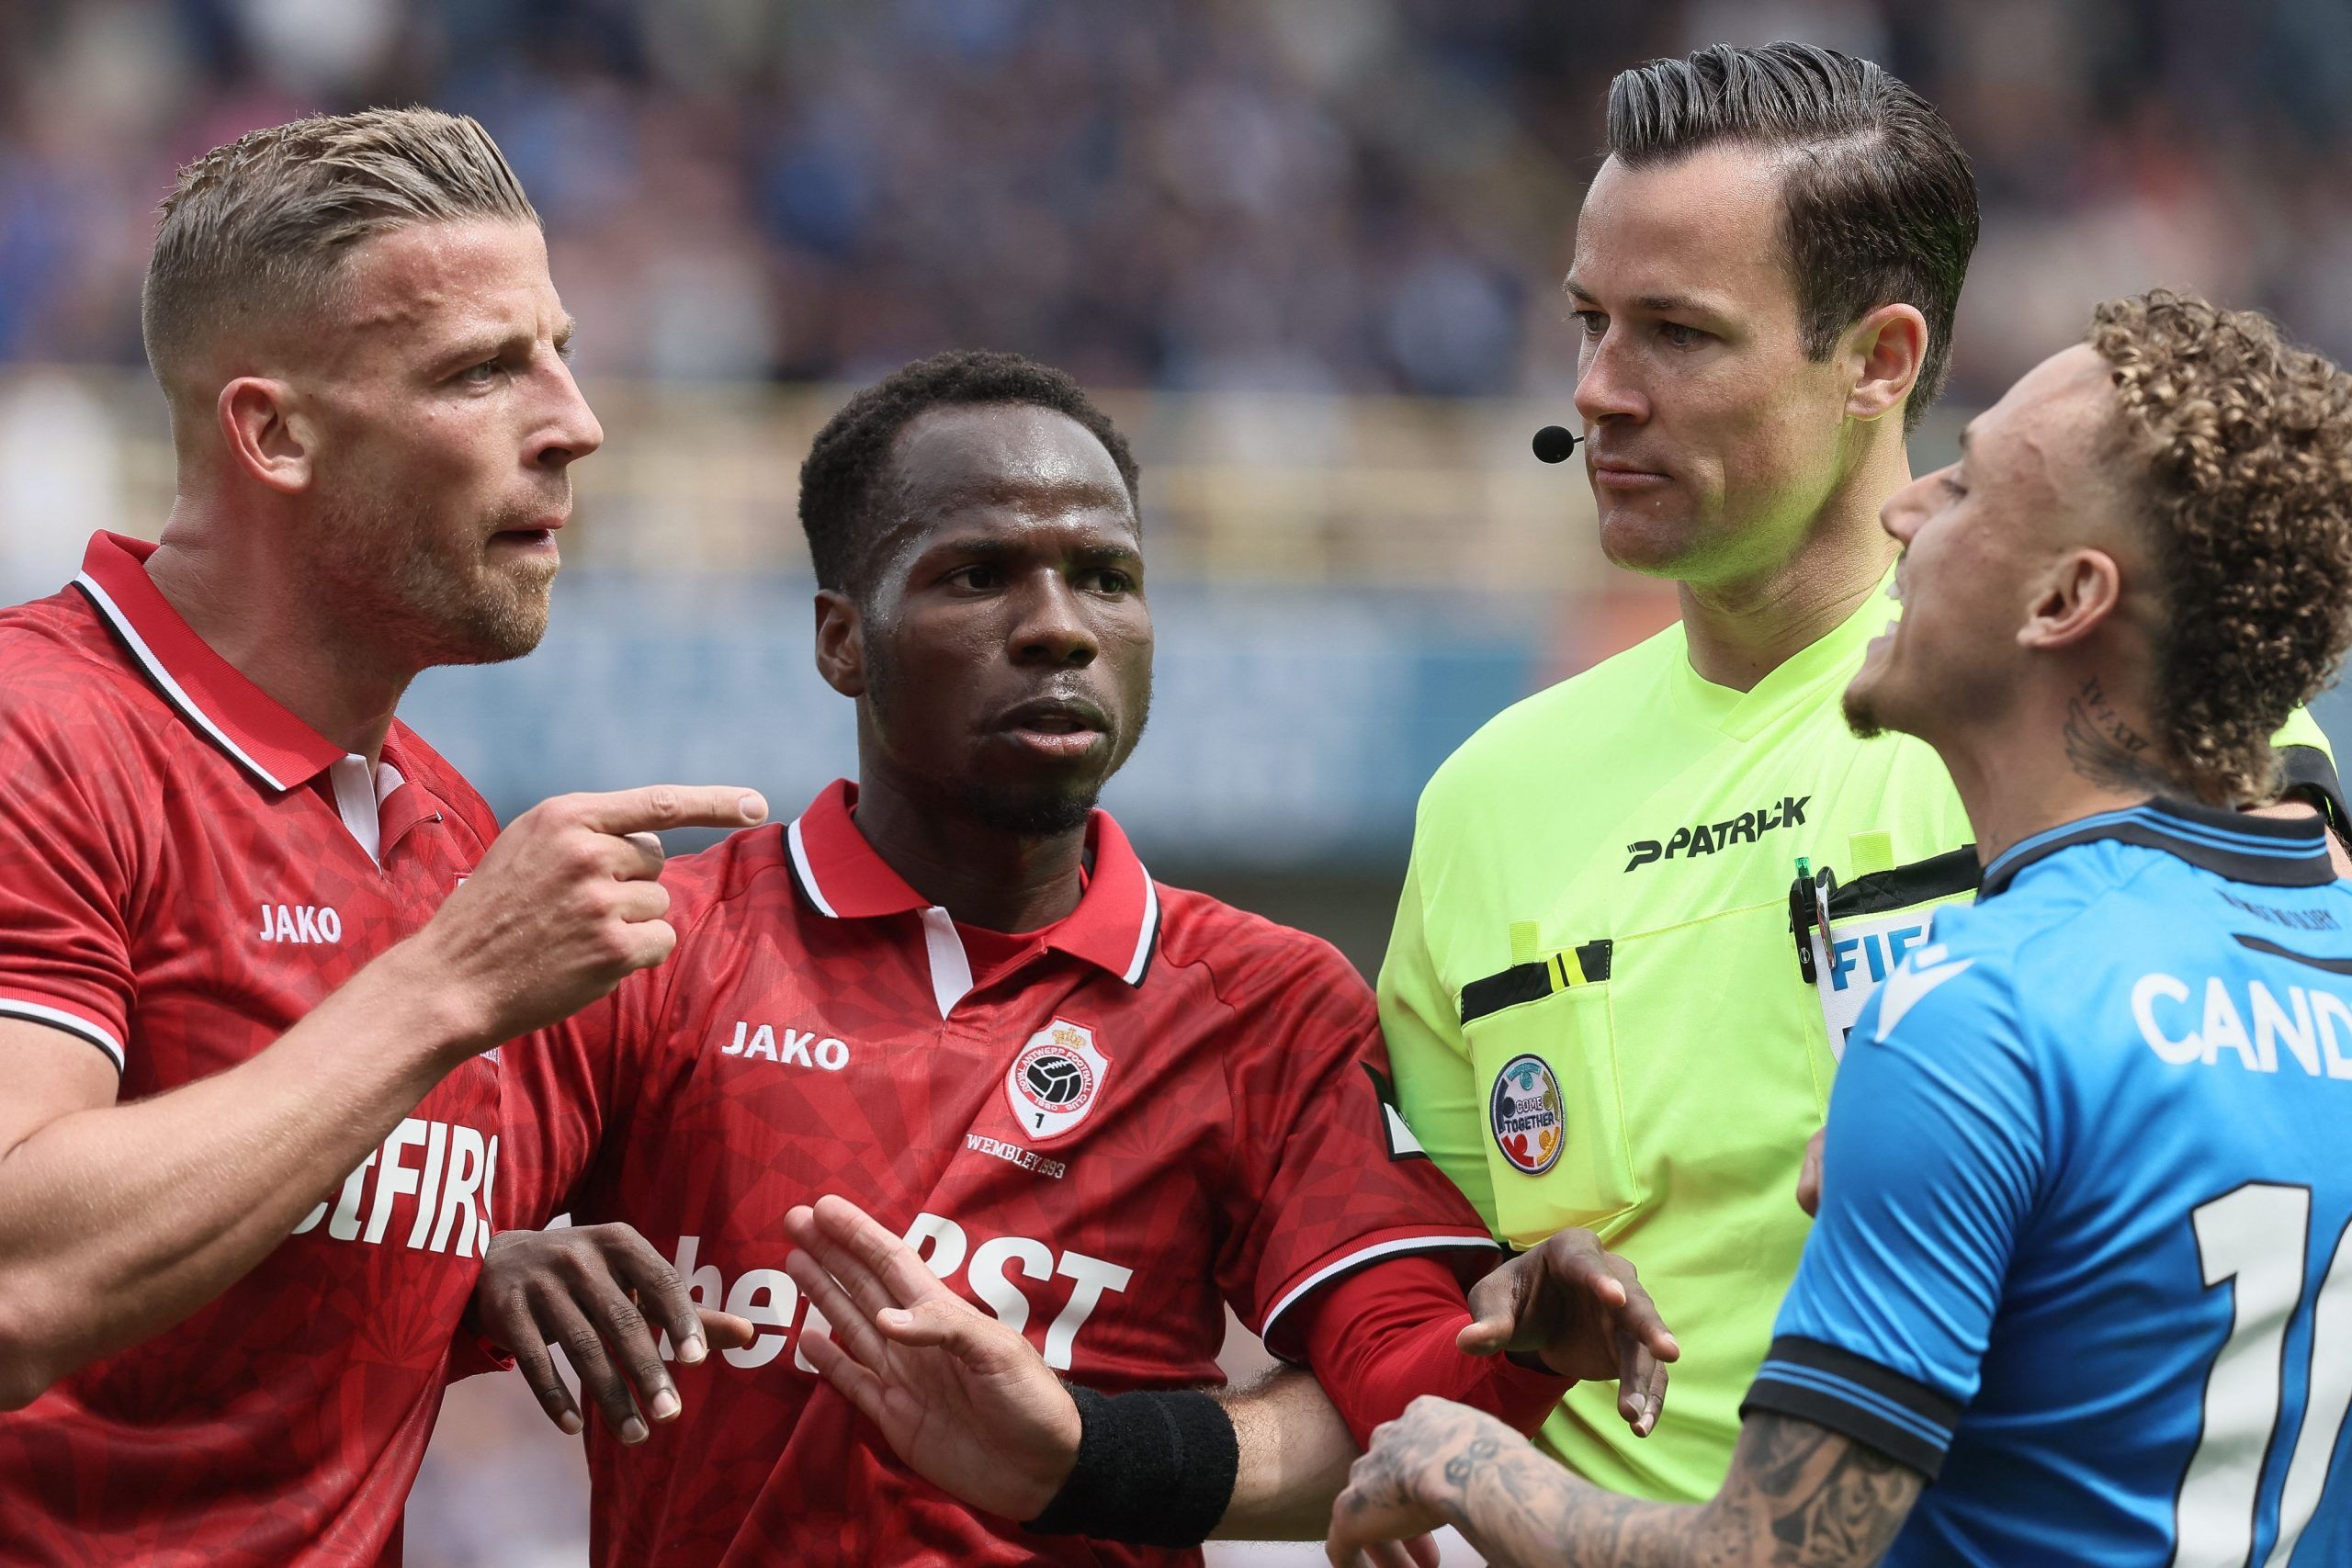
1934	1157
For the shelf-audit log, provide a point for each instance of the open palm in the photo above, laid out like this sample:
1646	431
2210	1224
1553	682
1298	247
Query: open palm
963	1399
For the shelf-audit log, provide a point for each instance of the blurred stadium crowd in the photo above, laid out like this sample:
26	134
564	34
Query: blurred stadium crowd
1358	197
1296	195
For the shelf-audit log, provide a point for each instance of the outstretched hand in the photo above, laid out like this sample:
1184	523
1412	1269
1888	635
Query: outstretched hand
964	1401
606	1295
1581	1310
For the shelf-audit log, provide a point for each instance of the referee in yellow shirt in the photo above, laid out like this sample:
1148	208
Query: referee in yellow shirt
1610	999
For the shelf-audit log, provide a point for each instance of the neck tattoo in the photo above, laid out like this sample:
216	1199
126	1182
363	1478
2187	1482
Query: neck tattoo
2101	745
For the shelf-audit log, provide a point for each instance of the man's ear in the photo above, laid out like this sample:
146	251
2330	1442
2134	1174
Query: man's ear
265	439
841	647
2073	598
1887	348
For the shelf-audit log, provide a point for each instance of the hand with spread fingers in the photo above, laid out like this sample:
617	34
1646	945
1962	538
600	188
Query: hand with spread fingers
1581	1309
964	1400
603	1293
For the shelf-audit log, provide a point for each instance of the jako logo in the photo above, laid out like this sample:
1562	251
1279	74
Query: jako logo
301	922
801	1048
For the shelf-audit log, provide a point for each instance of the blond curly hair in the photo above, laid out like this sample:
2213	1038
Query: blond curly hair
2243	456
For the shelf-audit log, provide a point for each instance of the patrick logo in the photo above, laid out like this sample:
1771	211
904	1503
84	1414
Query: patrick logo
1055	1081
1528	1119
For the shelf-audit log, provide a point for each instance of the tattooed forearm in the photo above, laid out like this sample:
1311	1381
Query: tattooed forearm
2102	747
1799	1496
1521	1509
1826	1501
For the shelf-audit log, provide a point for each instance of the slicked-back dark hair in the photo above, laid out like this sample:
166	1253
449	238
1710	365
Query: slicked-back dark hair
847	481
1879	204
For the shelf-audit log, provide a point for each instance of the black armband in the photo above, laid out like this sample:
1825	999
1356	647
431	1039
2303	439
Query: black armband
1154	1469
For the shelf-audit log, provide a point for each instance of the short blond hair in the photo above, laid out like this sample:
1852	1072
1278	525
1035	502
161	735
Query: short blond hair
2240	448
257	230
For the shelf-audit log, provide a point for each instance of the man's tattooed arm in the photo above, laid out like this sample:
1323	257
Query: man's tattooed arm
2102	746
1798	1497
1826	1500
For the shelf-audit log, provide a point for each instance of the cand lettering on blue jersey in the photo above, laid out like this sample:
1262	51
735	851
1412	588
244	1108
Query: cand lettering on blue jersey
2185	1022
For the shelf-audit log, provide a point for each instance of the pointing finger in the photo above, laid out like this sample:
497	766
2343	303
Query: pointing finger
672	805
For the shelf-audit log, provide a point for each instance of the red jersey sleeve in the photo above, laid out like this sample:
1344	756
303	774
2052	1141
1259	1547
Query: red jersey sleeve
1327	1179
1379	1339
69	868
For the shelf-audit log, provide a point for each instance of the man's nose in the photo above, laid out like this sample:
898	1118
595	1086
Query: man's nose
1901	515
571	430
1606	386
1052	628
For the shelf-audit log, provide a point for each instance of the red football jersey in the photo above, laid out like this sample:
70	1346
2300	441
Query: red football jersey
1156	1106
186	869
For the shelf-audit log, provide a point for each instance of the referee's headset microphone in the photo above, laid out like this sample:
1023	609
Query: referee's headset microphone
1555	442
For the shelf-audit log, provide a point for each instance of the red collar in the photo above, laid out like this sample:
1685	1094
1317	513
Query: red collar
1114	927
246	722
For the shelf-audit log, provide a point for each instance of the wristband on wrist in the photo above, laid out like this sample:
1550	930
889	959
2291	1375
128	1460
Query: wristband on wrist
1155	1468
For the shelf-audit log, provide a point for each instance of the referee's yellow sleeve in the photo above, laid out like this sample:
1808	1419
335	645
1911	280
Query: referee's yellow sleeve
1436	1091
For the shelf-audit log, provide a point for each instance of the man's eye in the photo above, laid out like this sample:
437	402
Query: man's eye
1592	322
1680	336
976	576
480	375
1110	580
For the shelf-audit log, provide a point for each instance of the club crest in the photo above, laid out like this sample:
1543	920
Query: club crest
1528	1118
1055	1081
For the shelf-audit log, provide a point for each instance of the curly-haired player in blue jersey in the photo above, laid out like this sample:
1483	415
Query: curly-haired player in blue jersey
2079	1290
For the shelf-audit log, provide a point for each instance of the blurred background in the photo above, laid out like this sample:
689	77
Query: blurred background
1307	250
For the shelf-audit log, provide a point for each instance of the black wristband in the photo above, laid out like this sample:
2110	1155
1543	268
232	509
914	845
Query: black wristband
1154	1469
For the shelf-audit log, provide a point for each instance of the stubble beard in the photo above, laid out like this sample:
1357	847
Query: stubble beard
442	599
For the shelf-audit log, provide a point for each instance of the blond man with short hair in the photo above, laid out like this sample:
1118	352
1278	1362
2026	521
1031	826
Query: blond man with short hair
254	936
